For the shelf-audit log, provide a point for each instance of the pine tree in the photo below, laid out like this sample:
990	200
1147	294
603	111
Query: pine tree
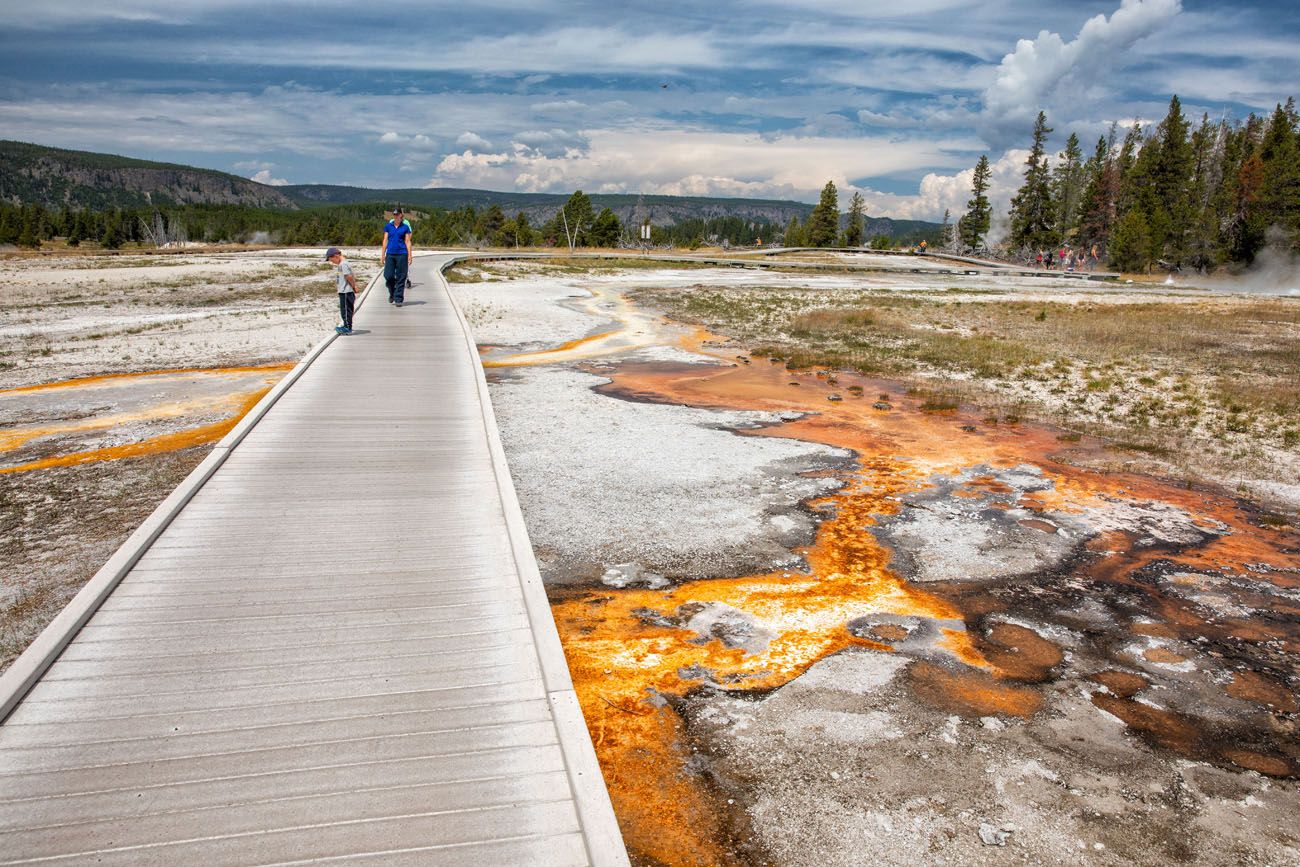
945	230
1225	196
1170	179
1033	212
489	224
1279	153
853	232
795	235
9	224
1130	244
979	212
1139	193
112	237
575	218
523	230
76	229
824	222
1124	163
1097	207
606	229
1202	244
29	237
1067	188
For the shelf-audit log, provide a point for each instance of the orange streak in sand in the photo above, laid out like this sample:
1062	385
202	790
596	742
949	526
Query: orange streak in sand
546	356
166	443
238	406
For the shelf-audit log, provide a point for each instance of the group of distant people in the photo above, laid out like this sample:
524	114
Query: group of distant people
395	252
1067	259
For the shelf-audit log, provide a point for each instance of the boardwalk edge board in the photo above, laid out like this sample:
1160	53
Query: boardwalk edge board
28	668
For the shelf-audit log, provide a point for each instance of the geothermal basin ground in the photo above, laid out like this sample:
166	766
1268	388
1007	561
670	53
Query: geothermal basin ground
830	595
892	566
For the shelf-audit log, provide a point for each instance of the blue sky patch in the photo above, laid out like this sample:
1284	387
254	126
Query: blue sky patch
766	98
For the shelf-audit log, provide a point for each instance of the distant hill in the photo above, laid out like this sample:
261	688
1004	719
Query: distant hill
54	178
540	207
662	210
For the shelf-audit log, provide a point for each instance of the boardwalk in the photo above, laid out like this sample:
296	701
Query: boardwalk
337	649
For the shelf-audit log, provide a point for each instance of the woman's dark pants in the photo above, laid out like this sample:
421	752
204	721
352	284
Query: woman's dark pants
395	276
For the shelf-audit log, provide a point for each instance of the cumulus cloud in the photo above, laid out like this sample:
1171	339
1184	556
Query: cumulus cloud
937	192
1048	72
264	177
417	142
472	141
552	142
672	162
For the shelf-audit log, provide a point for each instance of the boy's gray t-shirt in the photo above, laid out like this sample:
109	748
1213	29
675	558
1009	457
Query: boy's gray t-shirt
344	269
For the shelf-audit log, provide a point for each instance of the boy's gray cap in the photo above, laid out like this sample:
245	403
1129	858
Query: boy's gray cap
398	209
332	251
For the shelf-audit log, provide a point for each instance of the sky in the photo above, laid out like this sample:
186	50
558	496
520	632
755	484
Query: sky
766	98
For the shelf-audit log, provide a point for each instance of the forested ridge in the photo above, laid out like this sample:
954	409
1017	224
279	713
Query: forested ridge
108	200
576	223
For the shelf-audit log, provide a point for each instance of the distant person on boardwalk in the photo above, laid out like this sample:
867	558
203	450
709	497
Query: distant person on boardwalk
921	250
1039	259
347	286
396	253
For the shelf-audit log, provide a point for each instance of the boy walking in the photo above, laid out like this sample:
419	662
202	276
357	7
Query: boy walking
396	254
347	286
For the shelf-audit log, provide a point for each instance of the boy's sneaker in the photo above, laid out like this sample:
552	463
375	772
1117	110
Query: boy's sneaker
346	331
338	329
399	303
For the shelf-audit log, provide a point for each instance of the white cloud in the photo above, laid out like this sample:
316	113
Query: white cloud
264	177
107	118
674	162
472	141
561	106
566	50
552	142
1047	72
904	71
937	192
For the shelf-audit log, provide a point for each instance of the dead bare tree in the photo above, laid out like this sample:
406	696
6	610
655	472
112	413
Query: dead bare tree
159	234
